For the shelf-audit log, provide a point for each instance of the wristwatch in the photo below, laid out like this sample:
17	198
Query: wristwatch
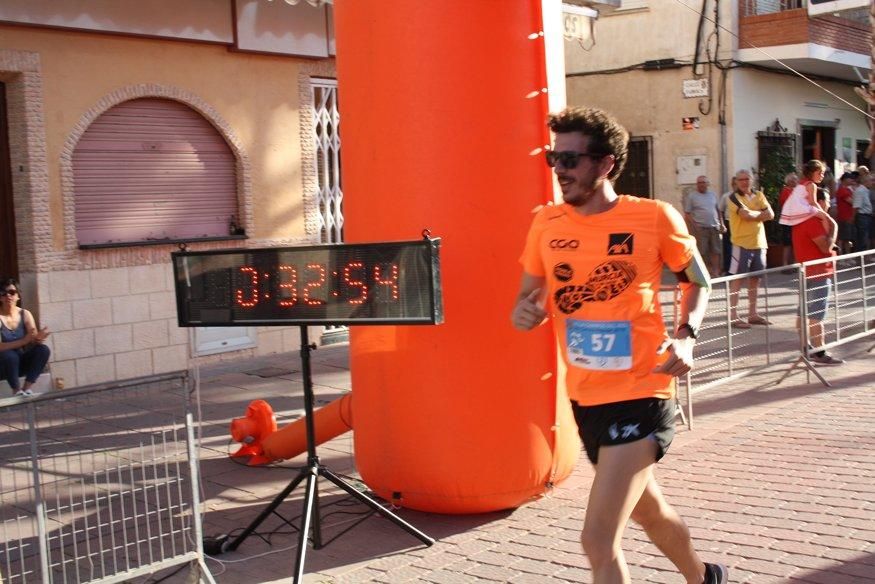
692	332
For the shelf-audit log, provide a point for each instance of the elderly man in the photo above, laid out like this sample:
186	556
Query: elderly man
747	211
703	219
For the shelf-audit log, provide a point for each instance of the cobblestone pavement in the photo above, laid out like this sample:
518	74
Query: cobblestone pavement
776	481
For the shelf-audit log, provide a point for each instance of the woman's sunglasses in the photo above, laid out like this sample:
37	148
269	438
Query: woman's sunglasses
9	292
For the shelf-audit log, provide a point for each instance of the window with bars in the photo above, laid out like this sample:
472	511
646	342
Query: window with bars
326	137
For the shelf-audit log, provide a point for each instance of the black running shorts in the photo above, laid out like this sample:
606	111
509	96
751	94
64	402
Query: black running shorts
624	422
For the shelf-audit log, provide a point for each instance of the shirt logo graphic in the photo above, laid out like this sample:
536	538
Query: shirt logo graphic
621	244
606	281
564	244
563	272
626	431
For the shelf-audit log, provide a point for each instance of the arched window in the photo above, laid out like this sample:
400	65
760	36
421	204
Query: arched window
152	170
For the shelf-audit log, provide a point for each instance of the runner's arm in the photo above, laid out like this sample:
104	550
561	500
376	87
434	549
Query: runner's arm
695	288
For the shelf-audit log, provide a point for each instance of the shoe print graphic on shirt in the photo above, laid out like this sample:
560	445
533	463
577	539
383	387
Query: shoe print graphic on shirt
608	280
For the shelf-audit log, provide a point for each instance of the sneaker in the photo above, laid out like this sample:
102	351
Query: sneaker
23	393
825	359
716	574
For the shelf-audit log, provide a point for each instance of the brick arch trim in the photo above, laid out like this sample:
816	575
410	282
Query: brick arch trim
242	162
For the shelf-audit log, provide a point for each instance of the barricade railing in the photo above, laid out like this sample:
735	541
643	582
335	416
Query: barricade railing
730	347
100	484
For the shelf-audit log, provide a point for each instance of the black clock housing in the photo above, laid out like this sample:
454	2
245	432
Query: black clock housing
341	284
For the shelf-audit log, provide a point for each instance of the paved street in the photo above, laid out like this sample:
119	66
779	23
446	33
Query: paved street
777	481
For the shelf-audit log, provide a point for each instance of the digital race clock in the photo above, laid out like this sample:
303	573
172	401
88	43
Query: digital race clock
368	283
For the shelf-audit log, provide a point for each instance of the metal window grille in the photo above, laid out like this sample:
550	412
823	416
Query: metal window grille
326	136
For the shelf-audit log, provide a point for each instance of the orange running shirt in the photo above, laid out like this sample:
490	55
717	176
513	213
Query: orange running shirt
602	276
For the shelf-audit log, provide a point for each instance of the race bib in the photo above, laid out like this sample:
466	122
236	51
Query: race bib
599	345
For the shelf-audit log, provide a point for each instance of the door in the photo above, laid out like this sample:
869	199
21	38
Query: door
8	245
819	143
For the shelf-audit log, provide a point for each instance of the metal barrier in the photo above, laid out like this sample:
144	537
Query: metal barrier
725	351
100	484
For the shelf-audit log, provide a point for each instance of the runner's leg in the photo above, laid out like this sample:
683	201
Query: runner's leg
668	532
622	474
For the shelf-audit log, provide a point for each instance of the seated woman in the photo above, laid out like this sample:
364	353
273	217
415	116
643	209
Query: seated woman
22	351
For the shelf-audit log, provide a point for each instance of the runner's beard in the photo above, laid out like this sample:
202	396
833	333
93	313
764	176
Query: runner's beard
581	196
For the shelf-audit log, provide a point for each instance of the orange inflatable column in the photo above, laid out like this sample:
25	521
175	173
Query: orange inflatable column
441	108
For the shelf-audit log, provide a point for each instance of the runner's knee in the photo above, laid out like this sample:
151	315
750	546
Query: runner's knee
601	548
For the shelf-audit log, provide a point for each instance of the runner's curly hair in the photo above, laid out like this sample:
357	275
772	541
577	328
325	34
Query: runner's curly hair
606	135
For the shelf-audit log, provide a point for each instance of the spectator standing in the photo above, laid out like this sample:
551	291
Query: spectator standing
845	212
747	212
790	182
703	219
724	214
812	242
863	212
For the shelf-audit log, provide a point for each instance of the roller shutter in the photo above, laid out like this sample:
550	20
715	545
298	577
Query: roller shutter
152	169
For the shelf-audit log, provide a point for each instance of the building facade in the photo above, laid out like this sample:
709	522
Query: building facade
710	90
128	129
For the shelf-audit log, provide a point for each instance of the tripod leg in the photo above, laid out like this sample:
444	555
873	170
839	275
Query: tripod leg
267	511
375	506
317	519
309	501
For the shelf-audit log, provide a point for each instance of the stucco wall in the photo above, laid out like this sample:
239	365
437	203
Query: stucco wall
650	103
761	97
661	30
256	94
112	311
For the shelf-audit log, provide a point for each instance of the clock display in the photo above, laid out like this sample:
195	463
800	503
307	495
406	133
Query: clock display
373	283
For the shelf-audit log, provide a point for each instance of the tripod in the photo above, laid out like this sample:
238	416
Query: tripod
312	472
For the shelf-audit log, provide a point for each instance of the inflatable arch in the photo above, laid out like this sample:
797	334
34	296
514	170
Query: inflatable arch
442	111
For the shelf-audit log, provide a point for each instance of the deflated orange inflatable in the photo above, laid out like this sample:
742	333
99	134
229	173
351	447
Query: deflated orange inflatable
442	109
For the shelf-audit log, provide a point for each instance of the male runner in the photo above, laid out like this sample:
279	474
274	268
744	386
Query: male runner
598	259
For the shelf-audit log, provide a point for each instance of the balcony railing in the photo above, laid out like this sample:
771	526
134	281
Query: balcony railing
757	7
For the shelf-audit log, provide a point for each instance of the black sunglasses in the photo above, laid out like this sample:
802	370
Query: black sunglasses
12	292
568	159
